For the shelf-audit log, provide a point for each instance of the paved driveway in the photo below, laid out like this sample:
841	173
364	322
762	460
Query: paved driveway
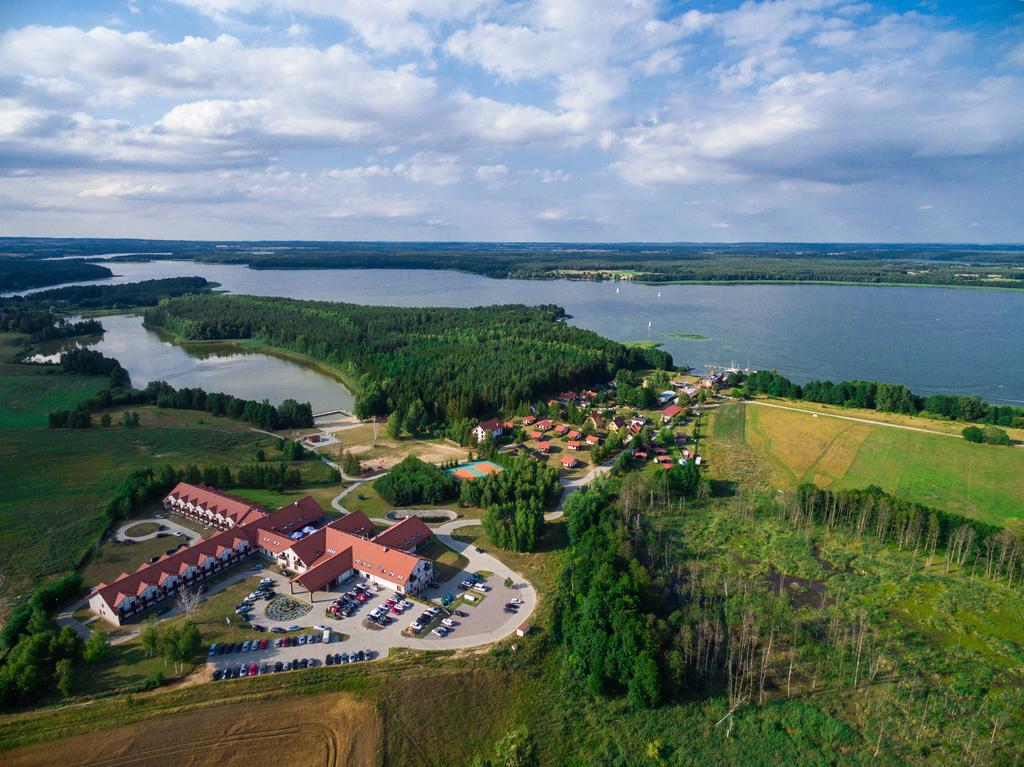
486	622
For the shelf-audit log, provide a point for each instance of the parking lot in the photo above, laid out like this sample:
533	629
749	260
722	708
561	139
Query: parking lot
482	621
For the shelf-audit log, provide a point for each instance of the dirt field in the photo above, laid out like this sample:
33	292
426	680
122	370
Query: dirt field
330	730
387	451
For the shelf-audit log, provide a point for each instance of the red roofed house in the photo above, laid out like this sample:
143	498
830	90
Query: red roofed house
529	420
574	445
492	428
671	412
544	447
593	439
574	434
570	462
561	429
536	435
544	425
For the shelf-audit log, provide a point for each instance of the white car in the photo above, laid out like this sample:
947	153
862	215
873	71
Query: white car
416	626
432	611
322	627
516	601
440	631
448	622
406	604
481	588
377	612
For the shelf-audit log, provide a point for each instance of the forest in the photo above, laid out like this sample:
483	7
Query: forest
649	262
27	273
456	362
124	296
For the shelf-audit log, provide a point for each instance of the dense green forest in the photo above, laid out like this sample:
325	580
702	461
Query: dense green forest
124	296
456	362
885	397
27	273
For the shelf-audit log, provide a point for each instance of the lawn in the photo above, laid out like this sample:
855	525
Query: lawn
981	481
111	559
141	529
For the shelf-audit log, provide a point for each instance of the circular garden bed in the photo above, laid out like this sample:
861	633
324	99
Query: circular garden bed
285	608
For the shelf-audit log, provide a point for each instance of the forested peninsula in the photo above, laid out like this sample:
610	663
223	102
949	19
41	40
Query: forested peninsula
457	363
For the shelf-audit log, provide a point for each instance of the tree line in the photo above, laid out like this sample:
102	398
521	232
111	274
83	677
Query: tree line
884	397
457	363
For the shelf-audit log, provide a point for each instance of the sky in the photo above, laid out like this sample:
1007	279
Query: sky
533	120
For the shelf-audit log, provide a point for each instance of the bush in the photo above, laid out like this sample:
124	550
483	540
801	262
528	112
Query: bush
973	434
993	435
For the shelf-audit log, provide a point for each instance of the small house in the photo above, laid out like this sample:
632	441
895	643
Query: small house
593	439
544	447
670	413
574	444
570	462
488	429
574	435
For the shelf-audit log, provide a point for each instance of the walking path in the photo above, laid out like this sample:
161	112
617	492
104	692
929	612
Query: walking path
853	418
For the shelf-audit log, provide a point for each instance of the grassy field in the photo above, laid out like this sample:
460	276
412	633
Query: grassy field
981	481
63	478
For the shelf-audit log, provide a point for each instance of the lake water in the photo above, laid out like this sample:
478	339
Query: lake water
151	356
932	339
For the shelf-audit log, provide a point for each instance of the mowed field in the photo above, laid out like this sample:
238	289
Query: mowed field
330	730
981	481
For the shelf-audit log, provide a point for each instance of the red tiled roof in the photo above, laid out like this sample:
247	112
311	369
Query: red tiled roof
407	534
672	411
490	426
354	522
236	509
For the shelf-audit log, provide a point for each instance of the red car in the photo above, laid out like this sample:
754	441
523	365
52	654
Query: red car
362	597
395	611
263	644
389	602
253	669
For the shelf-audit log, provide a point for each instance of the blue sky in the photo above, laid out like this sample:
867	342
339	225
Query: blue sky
794	120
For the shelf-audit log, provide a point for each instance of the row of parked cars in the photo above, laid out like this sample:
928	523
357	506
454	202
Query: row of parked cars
257	669
265	591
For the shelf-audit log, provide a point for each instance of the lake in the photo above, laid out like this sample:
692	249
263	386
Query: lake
151	356
932	339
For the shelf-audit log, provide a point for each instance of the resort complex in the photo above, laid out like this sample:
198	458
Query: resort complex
293	537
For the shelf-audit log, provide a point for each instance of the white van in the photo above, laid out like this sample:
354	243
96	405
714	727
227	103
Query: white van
327	636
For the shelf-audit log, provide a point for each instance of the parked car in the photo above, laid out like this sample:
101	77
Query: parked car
257	566
448	622
302	639
433	610
416	626
216	675
213	649
278	666
479	587
243	609
277	630
245	646
266	582
440	631
406	604
328	660
461	613
263	644
516	601
396	610
465	585
258	627
253	669
368	655
294	628
304	663
287	665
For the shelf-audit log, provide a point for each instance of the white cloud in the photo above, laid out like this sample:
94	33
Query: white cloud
492	175
431	168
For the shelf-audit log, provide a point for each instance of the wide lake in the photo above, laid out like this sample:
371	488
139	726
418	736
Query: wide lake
932	339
